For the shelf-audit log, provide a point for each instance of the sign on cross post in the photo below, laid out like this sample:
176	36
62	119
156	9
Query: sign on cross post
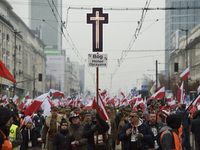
97	18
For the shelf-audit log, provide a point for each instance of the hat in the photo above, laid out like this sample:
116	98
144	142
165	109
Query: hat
6	114
68	108
54	108
87	113
39	111
28	119
82	112
63	122
61	111
174	121
73	116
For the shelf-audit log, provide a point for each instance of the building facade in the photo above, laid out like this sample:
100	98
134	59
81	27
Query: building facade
22	54
178	19
179	56
48	30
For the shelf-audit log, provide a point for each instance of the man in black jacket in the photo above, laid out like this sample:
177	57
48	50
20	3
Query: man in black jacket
195	129
90	129
136	133
39	121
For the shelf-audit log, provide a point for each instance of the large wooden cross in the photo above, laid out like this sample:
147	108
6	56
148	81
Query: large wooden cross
97	18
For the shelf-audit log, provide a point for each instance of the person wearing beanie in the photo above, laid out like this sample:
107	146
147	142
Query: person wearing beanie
63	139
76	128
39	121
31	136
5	123
169	134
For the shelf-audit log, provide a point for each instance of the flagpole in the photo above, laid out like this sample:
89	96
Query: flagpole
97	96
191	104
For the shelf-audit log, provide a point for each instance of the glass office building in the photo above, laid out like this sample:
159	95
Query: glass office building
176	20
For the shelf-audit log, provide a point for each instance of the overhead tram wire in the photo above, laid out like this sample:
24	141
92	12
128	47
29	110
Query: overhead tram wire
133	39
77	53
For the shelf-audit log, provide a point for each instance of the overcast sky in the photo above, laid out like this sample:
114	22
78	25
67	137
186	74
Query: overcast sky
117	36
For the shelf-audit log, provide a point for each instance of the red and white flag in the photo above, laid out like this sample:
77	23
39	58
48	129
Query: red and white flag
36	104
172	104
159	94
4	99
138	102
57	93
185	73
180	95
101	108
196	101
89	105
123	94
16	100
153	88
27	96
177	85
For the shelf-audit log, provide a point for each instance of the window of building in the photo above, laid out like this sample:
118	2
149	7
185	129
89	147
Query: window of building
190	26
190	18
184	4
191	4
183	19
183	26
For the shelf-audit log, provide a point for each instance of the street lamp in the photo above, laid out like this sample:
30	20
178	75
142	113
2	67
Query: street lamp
50	77
186	31
59	81
14	85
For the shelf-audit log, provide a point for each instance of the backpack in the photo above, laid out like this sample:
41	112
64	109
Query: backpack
159	142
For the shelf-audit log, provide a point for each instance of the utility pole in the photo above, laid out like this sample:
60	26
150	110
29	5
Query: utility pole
14	85
33	81
156	75
186	56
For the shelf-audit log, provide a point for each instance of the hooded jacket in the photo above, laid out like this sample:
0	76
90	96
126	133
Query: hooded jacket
142	128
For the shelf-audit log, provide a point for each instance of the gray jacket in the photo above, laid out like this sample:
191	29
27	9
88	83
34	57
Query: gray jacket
167	139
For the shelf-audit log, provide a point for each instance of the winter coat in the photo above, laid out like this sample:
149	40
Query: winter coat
39	121
63	141
195	128
77	131
88	131
185	118
51	126
142	128
35	138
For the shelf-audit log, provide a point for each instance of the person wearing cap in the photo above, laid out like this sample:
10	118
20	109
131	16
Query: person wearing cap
82	115
90	129
141	115
39	120
169	138
31	135
185	123
76	128
63	139
51	126
87	118
6	116
67	112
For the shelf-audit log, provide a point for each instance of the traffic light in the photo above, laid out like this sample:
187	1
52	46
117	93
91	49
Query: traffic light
40	77
175	67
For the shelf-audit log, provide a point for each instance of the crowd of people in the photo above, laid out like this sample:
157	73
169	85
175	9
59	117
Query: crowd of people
81	129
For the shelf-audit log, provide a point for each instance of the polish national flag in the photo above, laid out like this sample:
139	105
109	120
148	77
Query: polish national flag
123	94
169	98
27	96
117	103
89	105
57	93
36	104
196	101
101	108
172	104
138	102
153	88
177	85
159	94
185	73
180	95
16	100
4	99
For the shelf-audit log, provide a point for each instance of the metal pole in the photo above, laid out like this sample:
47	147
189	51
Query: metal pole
168	77
186	50
34	81
14	86
97	96
156	75
50	79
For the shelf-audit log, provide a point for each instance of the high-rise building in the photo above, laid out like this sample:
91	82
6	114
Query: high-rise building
48	30
176	21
